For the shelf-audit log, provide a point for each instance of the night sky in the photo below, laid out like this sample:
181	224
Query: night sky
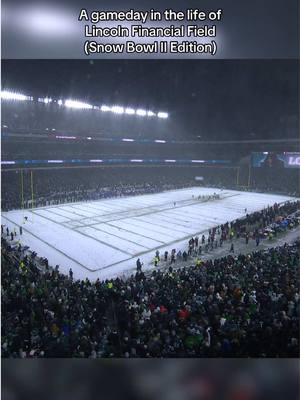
221	99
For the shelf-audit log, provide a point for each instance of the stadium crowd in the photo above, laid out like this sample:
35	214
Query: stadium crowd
57	189
234	306
260	225
65	185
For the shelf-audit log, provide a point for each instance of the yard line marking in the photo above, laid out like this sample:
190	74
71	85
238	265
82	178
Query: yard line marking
162	226
82	209
66	211
53	247
119	237
139	234
100	241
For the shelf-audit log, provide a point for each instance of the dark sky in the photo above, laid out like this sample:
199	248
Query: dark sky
250	98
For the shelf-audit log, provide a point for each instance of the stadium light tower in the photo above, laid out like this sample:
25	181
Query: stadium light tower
129	111
77	104
105	108
141	113
69	103
117	110
7	95
162	115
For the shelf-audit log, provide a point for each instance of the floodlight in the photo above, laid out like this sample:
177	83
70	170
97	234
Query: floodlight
162	115
136	160
105	108
7	162
160	141
128	140
170	160
9	95
117	110
140	112
77	104
65	137
96	161
129	111
197	161
55	161
6	95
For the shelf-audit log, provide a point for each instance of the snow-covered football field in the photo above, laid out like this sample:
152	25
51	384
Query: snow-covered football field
103	239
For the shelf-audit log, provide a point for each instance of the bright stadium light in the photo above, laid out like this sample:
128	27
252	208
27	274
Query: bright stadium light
105	108
55	161
197	161
170	160
128	140
96	161
65	137
89	138
6	95
77	104
136	160
162	115
7	162
141	112
117	109
160	141
129	111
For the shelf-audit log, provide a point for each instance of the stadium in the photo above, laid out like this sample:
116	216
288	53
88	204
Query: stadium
150	209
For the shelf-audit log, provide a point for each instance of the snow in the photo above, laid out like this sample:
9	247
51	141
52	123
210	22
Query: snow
103	239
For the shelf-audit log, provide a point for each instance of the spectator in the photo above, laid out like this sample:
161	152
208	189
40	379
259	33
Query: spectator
249	302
